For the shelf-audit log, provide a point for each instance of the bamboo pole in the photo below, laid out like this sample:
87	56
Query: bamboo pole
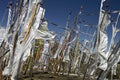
30	23
78	35
2	47
39	50
31	62
1	59
28	31
111	61
98	38
59	59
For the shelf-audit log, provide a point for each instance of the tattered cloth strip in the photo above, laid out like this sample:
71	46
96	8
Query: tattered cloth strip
104	20
111	61
27	53
66	56
45	35
23	47
67	50
102	50
82	52
4	32
2	35
114	33
114	67
45	54
59	47
7	70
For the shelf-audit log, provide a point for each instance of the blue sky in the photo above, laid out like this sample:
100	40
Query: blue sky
57	12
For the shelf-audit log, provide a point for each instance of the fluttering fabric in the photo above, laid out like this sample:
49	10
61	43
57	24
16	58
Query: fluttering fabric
103	17
22	49
2	34
45	54
67	50
102	50
104	21
112	60
60	46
